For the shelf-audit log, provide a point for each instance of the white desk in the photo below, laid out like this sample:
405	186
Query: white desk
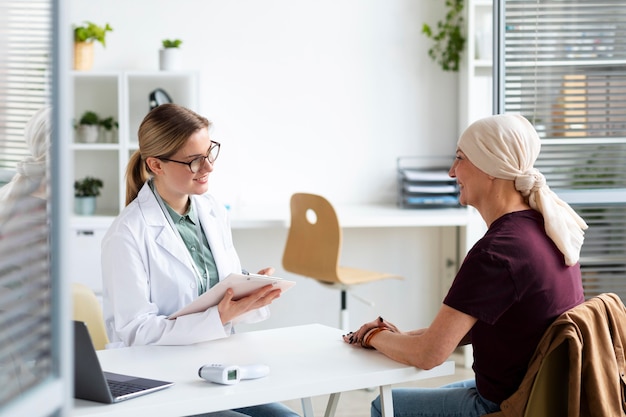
350	215
354	216
304	361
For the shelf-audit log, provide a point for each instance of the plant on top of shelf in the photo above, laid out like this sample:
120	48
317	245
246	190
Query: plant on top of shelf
109	126
109	123
170	55
90	32
87	128
449	38
84	38
87	187
171	43
85	192
89	118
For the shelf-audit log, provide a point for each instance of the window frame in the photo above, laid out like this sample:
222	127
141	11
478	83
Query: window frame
582	164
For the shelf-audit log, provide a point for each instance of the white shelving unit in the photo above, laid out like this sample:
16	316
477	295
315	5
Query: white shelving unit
476	71
125	96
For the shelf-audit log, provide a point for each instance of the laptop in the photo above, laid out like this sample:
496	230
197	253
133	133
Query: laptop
91	383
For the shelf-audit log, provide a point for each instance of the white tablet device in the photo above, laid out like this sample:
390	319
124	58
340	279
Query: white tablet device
242	285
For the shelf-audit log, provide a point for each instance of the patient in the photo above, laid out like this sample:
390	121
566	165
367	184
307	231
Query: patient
28	185
514	282
24	264
23	216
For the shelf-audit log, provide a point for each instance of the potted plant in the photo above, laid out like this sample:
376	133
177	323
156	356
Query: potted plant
449	38
169	55
85	192
87	128
84	37
109	125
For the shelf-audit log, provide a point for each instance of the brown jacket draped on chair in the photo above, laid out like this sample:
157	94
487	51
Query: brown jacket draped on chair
596	335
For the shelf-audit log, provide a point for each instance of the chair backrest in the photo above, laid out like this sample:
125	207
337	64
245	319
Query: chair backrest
314	240
574	382
87	309
548	396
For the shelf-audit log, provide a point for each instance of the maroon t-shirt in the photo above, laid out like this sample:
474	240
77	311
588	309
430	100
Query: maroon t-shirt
515	282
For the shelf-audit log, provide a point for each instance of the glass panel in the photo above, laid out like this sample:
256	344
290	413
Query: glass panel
26	359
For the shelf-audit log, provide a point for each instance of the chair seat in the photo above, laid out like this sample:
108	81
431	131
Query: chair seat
352	276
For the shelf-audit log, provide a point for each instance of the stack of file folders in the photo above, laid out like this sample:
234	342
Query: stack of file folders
425	183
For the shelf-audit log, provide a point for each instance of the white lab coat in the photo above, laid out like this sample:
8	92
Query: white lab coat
148	275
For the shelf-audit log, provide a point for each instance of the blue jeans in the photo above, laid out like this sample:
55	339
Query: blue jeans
268	410
264	410
460	399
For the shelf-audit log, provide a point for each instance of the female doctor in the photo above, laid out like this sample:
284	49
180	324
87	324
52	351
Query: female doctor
172	241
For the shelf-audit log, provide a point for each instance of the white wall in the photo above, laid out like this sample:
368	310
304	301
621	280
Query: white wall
309	95
305	95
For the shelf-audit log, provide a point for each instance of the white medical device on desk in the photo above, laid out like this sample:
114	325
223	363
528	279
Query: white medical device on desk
232	374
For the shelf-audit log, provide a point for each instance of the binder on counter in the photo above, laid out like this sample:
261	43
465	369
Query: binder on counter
423	182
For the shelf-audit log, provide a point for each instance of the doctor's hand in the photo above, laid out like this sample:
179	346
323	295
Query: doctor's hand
266	271
229	308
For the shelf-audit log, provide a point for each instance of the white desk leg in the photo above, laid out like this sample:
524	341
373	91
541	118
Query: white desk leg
331	407
307	407
386	401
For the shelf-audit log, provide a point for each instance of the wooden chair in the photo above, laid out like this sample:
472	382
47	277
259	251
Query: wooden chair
313	248
87	309
571	372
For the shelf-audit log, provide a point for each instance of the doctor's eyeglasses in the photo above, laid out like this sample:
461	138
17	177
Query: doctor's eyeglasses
197	163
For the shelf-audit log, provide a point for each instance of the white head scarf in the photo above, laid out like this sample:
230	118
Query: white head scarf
506	146
32	169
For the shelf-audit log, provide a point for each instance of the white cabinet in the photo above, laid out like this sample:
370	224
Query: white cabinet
84	245
124	95
476	70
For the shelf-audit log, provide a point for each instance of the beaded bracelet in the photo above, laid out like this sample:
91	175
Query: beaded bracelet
368	337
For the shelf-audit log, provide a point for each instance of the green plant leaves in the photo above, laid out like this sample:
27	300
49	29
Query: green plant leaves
449	38
90	32
171	43
87	187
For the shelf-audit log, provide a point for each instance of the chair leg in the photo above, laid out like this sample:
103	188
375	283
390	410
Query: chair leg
344	321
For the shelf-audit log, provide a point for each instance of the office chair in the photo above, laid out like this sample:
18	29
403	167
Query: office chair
87	309
548	393
313	249
548	396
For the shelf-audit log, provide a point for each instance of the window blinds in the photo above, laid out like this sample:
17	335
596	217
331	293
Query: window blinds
25	35
563	66
25	313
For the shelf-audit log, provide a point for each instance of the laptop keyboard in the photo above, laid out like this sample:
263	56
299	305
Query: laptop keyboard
123	388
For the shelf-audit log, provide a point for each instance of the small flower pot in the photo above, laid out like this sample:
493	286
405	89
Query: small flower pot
83	56
85	206
170	59
108	136
87	133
